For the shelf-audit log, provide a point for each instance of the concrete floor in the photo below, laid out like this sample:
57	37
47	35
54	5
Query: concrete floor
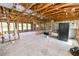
33	44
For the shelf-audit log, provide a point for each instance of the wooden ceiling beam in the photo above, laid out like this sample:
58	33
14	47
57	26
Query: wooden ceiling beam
61	10
31	5
47	5
58	7
27	5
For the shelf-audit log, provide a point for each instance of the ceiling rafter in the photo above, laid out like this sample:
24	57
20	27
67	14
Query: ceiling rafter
50	11
29	7
58	7
47	5
62	10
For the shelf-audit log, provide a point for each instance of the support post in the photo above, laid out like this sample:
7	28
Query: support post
8	29
22	26
17	30
16	33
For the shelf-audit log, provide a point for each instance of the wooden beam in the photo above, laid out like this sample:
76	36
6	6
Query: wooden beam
61	10
44	7
58	7
29	7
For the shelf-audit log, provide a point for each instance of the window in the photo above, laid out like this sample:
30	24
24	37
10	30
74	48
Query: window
20	26
24	26
29	26
5	26
12	26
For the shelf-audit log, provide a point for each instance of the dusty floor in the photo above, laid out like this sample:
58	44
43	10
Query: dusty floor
33	44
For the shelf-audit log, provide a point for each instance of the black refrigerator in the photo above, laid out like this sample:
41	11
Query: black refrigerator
63	31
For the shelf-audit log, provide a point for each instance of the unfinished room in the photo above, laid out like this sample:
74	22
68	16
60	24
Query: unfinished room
39	29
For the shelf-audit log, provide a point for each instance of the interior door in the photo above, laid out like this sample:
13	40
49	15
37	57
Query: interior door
63	31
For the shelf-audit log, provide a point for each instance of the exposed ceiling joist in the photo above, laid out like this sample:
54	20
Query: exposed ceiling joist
62	10
31	5
46	11
44	7
58	7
